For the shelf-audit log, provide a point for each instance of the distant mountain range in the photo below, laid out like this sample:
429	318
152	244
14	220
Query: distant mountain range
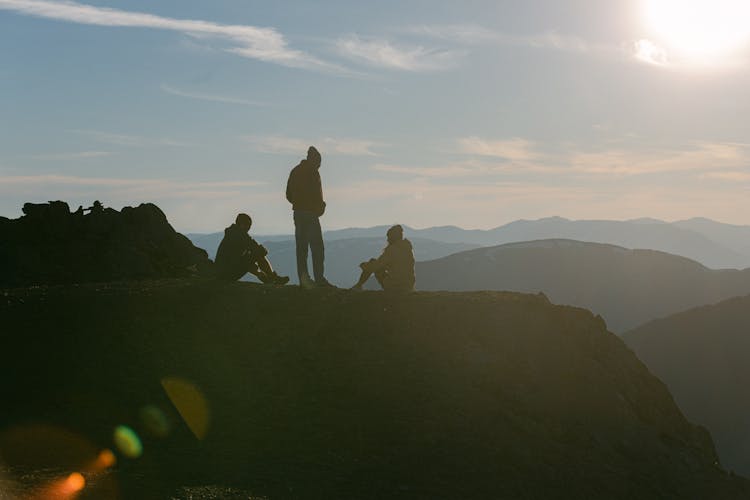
342	255
703	356
626	287
711	243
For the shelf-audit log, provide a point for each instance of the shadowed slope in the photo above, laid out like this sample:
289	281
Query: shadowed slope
626	287
332	394
702	355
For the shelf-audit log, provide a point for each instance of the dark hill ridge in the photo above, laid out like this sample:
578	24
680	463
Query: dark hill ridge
335	394
703	355
51	245
626	287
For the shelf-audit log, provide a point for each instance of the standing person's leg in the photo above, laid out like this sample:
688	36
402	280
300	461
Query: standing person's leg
318	251
302	241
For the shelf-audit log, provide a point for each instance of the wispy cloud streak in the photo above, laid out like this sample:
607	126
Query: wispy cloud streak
210	97
382	53
264	44
470	34
81	155
129	140
293	145
71	180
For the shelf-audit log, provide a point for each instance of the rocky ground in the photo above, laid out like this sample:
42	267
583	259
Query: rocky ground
285	393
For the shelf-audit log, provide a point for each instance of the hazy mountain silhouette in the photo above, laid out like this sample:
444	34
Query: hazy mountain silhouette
736	238
702	355
344	255
626	287
334	394
713	244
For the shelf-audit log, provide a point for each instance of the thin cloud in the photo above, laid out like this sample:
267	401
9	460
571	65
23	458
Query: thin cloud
516	149
210	97
81	155
129	140
292	145
263	44
440	171
736	176
648	52
699	157
382	53
471	34
109	182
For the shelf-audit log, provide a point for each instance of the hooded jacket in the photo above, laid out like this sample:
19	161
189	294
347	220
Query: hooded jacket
236	249
398	260
304	189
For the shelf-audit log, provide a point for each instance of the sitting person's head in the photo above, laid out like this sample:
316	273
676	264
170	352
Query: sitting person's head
394	234
243	221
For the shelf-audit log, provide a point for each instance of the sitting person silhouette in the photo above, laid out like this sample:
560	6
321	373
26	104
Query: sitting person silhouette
238	254
394	269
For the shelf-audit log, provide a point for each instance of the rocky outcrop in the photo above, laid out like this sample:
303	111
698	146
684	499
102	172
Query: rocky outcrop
51	245
336	394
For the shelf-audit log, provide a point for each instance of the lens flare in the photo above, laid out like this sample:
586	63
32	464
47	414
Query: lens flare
128	442
155	421
104	460
74	483
190	403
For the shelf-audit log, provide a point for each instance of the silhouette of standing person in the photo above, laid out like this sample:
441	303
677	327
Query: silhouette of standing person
394	269
305	192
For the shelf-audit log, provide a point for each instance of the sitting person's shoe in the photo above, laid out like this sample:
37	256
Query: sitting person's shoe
280	280
264	278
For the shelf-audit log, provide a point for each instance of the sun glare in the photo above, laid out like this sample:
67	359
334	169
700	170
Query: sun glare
701	30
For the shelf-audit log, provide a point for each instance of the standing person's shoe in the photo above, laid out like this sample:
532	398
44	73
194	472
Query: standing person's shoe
324	283
306	283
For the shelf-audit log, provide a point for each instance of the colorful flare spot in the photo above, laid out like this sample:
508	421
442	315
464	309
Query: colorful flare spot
155	421
128	442
75	482
105	460
190	403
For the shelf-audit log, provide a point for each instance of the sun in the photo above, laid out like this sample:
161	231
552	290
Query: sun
700	29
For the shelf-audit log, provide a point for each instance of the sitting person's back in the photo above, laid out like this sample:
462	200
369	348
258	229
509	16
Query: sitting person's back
394	269
238	254
231	256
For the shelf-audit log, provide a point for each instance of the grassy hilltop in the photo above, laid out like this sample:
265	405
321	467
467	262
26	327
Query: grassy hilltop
334	394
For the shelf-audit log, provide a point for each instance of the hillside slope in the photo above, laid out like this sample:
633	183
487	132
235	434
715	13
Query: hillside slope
334	394
626	287
702	355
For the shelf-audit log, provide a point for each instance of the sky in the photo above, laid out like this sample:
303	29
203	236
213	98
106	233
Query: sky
426	113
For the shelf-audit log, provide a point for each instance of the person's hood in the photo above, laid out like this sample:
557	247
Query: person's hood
403	243
230	229
305	163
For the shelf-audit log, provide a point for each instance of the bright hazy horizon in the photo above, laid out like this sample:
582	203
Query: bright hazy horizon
426	113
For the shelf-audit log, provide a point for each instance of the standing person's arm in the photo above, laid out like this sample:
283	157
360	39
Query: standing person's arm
319	193
290	187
